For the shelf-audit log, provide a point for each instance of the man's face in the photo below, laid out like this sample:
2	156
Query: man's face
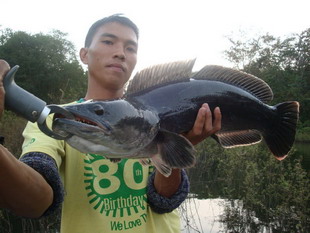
112	55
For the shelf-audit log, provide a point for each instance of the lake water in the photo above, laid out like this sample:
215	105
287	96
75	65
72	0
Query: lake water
201	215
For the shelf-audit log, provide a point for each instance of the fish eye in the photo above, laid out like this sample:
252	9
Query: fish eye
98	110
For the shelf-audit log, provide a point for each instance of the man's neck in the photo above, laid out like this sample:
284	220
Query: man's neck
98	91
103	94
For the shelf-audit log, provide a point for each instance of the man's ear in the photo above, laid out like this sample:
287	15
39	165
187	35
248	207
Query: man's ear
83	55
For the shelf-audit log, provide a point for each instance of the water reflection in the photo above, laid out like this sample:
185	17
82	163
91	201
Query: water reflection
201	215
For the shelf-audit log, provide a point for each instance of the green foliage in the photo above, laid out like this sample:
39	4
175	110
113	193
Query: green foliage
10	223
11	128
48	69
303	135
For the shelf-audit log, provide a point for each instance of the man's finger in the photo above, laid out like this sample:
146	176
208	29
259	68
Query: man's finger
4	68
217	123
208	124
200	120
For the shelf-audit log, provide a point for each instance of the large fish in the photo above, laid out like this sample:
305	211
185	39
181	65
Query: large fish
162	102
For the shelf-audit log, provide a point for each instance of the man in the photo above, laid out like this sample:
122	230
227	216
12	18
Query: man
99	195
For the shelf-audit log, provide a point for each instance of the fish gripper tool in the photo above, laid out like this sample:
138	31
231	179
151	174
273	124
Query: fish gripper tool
29	106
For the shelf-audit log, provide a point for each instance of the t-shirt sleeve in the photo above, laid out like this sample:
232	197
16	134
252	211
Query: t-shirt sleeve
36	141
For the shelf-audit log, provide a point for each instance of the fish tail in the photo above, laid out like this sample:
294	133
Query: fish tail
280	138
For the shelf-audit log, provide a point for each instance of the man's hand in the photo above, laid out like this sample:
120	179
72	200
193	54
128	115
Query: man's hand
204	125
4	68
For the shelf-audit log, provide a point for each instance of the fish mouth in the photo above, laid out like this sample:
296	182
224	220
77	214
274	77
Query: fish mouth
82	123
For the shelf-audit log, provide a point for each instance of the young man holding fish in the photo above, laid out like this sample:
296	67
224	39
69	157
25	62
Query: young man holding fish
96	194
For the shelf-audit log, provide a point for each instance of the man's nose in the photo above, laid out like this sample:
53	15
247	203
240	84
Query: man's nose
120	53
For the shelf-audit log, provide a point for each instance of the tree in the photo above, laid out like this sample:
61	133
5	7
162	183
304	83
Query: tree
49	68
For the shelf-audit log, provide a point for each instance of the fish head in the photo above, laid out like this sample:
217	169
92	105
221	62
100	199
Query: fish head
107	127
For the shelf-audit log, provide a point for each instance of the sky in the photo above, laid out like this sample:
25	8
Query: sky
170	30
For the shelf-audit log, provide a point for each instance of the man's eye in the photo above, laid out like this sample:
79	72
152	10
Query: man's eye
132	49
108	42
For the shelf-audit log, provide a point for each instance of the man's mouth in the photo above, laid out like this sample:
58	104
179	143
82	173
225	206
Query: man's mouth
117	67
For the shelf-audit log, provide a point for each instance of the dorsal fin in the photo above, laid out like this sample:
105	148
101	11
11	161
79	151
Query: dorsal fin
247	82
160	74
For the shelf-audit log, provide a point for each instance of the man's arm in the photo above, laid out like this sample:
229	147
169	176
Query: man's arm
22	190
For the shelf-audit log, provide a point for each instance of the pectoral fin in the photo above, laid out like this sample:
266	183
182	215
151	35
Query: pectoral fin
170	150
161	166
175	150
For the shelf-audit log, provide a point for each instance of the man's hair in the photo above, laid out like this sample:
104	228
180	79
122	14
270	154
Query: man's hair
118	18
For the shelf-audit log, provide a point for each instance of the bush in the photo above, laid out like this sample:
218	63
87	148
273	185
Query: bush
11	128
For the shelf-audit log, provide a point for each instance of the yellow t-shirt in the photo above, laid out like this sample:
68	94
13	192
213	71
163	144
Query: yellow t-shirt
100	196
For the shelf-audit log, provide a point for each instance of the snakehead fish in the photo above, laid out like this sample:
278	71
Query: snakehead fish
162	102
